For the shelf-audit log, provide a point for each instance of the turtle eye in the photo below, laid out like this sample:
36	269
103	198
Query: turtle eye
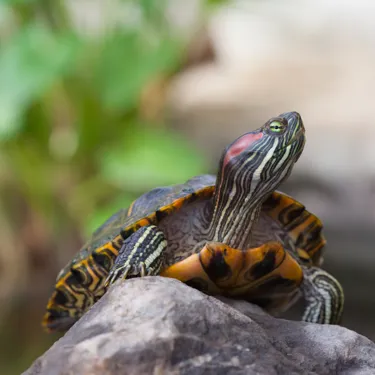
277	127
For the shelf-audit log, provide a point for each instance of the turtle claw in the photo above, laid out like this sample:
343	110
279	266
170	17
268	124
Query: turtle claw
142	267
127	272
144	271
114	275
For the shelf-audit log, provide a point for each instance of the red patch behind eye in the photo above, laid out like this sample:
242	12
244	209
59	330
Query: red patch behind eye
240	145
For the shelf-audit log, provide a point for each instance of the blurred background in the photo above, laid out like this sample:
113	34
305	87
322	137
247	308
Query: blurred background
101	101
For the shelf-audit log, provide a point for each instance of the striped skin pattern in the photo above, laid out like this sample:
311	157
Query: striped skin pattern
207	227
143	255
324	296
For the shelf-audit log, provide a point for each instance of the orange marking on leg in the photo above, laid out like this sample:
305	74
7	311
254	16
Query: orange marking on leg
250	268
258	264
290	269
279	289
222	263
270	255
188	269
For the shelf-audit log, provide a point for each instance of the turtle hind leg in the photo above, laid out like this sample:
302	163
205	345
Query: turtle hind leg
246	274
142	254
324	297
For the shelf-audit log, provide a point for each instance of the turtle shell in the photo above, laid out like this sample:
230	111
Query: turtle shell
81	282
149	208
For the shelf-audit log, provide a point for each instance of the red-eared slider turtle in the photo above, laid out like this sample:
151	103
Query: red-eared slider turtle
232	235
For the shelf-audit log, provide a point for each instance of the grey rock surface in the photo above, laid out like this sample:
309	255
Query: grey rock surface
155	325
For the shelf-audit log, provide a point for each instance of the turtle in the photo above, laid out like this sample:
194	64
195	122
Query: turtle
233	235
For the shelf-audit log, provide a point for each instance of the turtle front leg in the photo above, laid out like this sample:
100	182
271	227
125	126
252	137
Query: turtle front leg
324	297
142	254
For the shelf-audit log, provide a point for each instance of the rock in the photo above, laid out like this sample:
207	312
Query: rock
155	325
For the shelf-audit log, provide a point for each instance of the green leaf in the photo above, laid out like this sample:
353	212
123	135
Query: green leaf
17	2
216	2
30	63
153	11
149	158
126	62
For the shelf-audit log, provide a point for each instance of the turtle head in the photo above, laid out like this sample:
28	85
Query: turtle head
265	154
252	167
263	158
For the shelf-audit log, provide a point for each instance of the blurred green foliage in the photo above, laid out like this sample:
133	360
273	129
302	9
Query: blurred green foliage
69	113
79	139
